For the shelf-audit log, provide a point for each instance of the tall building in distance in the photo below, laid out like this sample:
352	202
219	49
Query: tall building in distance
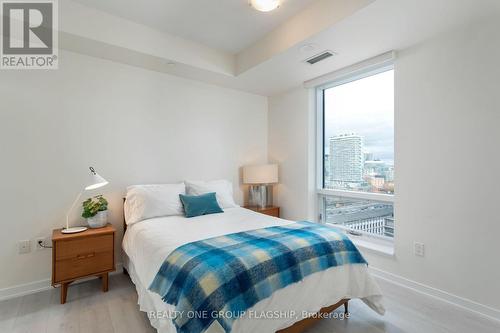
346	158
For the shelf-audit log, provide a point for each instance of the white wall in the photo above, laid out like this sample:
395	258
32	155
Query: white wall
291	145
447	162
132	125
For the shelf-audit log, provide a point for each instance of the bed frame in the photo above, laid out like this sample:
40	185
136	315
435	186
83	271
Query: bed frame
301	325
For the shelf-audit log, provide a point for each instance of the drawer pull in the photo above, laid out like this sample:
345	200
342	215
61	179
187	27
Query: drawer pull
83	256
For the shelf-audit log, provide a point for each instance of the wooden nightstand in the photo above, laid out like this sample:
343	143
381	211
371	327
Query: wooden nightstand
84	254
270	210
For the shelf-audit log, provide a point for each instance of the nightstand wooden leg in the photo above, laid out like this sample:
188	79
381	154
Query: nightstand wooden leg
64	291
104	282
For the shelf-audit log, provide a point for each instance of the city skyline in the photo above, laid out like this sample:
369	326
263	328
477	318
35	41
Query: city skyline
371	117
347	166
359	152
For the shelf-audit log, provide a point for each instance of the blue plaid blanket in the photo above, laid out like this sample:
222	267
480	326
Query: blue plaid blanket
231	273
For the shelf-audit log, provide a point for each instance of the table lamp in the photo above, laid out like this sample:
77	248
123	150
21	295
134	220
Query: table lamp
260	178
94	182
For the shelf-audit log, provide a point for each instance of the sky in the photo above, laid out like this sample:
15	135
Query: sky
364	107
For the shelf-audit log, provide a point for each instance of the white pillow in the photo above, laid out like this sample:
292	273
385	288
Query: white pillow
223	190
148	201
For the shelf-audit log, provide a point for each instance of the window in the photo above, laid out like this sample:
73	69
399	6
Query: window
356	152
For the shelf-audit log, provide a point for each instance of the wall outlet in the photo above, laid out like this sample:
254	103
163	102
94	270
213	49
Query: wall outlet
418	249
37	243
24	246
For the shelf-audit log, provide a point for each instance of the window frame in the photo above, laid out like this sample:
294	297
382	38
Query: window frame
321	191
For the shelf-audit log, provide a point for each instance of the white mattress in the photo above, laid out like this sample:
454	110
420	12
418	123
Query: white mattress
149	242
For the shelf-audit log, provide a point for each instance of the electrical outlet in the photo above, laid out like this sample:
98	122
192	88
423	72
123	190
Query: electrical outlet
24	246
418	249
38	247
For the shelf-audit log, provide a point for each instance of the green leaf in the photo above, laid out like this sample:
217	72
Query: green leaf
92	206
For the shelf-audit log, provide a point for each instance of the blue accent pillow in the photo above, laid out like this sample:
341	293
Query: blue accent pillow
196	205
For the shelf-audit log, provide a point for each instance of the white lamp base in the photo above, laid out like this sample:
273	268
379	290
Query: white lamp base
73	230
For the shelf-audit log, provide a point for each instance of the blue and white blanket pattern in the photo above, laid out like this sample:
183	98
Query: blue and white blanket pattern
231	273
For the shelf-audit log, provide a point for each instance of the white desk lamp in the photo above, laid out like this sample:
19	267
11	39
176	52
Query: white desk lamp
94	182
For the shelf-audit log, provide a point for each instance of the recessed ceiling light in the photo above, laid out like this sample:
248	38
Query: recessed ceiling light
265	5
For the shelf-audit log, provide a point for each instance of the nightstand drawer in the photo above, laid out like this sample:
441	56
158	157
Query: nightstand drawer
85	263
84	246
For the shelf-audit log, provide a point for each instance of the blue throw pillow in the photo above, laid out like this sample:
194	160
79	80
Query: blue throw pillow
196	205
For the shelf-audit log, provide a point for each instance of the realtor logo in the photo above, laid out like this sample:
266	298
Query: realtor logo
29	34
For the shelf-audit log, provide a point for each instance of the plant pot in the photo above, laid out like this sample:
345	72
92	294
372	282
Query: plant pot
98	221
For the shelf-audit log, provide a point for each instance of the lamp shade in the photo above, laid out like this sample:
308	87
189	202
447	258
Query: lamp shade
95	181
260	174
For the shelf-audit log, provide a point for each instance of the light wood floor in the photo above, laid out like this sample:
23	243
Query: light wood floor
89	310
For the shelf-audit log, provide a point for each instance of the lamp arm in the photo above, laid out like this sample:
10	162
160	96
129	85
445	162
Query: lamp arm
71	209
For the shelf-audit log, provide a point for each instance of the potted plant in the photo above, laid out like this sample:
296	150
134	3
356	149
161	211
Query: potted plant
95	210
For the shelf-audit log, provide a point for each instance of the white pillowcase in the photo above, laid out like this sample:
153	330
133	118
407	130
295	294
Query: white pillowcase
223	190
148	201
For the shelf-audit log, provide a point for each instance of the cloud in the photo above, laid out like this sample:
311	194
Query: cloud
364	107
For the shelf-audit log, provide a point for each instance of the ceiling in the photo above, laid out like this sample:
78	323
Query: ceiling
377	27
229	25
382	26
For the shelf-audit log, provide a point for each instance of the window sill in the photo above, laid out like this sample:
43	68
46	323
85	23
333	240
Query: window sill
385	248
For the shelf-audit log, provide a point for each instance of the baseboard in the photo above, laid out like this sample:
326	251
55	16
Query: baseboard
24	289
38	286
461	302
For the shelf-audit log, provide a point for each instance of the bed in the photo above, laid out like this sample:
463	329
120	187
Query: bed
146	245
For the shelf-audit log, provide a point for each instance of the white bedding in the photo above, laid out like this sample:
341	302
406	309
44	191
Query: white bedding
149	242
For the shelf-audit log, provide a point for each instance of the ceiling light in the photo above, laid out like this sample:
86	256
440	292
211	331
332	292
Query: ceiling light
265	5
